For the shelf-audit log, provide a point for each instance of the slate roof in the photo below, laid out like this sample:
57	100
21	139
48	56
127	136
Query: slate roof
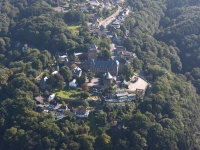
108	76
77	71
103	64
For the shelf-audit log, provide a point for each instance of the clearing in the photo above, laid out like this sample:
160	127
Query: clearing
74	28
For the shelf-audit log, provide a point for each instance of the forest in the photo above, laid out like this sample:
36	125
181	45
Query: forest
164	34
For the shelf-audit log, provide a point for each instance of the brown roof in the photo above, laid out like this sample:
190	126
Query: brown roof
79	110
39	99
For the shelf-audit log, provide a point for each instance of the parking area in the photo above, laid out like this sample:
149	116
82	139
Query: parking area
139	84
94	83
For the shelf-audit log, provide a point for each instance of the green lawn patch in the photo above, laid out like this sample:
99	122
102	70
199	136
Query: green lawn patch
74	28
69	93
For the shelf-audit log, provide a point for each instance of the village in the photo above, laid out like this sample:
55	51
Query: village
105	86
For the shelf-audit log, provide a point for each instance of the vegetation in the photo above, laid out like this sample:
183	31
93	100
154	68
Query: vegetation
165	37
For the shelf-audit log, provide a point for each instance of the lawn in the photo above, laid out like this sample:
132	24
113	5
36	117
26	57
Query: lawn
69	93
74	28
66	5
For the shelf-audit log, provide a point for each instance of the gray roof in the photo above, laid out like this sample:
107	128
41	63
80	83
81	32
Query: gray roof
103	64
77	71
108	76
92	47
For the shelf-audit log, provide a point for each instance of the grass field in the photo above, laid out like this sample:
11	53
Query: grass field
74	28
71	94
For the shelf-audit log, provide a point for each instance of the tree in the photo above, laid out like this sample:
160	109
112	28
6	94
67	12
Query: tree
90	75
66	73
137	64
60	85
84	95
106	54
81	79
85	87
103	142
37	64
128	71
73	66
85	103
74	146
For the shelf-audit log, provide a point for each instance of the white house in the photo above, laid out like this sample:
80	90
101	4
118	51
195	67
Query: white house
81	112
55	72
59	115
73	83
51	97
62	109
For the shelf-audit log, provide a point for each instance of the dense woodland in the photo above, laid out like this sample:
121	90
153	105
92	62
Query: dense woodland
164	34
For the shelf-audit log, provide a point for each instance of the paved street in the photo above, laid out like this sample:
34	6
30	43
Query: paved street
112	50
108	20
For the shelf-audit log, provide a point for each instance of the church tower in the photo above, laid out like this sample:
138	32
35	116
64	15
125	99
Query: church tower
92	52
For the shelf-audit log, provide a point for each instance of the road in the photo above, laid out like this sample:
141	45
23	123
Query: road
112	50
108	20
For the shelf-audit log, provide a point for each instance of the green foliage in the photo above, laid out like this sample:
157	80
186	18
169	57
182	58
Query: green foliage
85	103
128	72
90	75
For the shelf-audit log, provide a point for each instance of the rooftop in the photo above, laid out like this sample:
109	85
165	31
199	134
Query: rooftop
108	76
103	64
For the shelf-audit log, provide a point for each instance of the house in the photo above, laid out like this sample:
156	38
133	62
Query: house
59	115
73	83
80	112
120	96
39	100
51	97
94	3
118	125
119	40
82	7
116	24
121	52
99	33
107	5
62	109
77	71
54	72
92	17
53	104
126	11
25	48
